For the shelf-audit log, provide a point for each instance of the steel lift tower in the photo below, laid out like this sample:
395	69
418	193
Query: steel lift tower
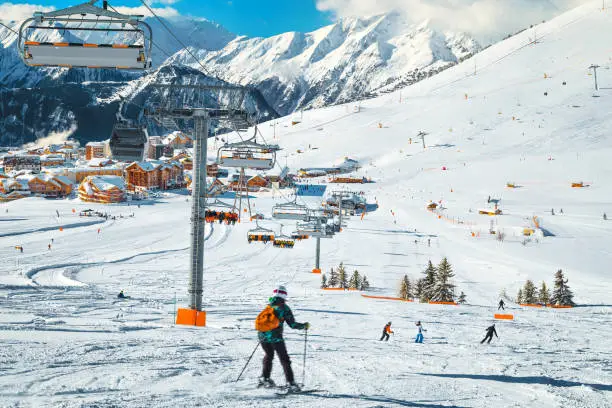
201	118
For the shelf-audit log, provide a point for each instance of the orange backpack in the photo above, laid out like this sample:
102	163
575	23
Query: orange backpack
266	320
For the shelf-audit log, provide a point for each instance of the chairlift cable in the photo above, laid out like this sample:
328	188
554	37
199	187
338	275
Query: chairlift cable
152	42
13	31
204	70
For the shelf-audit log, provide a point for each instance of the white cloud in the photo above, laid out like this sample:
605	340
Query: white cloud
142	10
166	2
19	12
479	17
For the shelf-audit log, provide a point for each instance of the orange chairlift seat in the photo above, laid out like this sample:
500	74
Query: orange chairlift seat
125	42
260	234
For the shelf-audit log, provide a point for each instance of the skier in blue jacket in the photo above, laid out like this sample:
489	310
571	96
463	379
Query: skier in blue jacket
419	337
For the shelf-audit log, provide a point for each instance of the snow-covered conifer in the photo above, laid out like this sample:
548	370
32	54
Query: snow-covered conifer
562	295
444	290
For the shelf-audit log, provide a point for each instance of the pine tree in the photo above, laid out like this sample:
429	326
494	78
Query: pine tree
365	285
519	297
444	290
428	284
333	279
544	294
355	282
342	278
405	291
562	295
418	289
323	281
462	298
529	293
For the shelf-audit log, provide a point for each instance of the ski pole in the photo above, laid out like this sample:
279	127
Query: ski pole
304	362
248	361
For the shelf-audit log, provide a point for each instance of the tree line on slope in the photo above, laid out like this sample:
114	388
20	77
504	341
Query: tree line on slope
435	286
339	278
561	295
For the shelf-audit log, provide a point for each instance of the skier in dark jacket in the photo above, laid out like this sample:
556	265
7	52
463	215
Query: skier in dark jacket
272	341
121	295
490	332
501	305
386	331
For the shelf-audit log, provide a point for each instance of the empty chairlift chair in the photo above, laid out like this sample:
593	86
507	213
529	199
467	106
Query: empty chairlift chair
248	155
86	36
290	211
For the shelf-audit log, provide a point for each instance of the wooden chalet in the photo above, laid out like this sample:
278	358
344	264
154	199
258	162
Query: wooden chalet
154	174
102	189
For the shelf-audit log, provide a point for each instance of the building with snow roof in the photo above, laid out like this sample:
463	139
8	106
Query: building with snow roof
102	189
154	175
96	150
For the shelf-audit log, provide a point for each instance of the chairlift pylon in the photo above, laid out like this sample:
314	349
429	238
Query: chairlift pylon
84	22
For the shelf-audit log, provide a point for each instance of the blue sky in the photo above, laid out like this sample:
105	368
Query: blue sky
244	17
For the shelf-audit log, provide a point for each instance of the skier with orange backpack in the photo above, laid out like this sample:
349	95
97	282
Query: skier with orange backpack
269	324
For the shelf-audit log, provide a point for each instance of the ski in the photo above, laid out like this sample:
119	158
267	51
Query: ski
284	393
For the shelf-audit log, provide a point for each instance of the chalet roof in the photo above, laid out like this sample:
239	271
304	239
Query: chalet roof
63	180
99	162
106	183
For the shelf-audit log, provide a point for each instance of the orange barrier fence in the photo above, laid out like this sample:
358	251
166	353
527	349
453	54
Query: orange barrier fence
561	307
444	303
333	289
530	305
504	316
387	298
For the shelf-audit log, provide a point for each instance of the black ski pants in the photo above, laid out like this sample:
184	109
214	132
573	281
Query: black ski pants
488	336
385	336
283	356
501	307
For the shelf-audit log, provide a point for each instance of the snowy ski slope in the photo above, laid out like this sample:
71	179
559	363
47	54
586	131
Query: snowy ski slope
67	341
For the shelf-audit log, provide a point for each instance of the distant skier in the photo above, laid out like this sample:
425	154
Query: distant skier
419	337
49	246
121	295
386	331
605	217
21	249
490	332
269	324
552	211
501	305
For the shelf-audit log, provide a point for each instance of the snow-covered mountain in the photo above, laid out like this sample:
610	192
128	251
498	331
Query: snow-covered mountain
349	60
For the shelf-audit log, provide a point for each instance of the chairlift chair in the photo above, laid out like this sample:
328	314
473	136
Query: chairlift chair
315	230
260	234
283	241
290	211
220	211
248	154
87	26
